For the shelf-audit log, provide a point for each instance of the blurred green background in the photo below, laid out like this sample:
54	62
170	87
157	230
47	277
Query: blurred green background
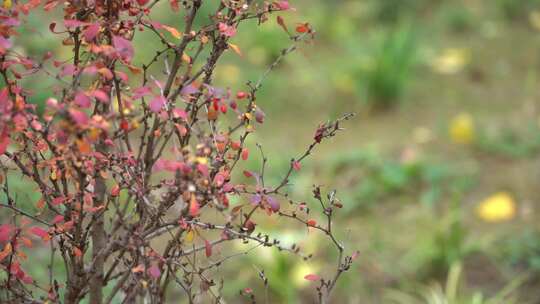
439	172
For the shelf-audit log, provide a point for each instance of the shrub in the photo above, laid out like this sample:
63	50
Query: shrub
140	170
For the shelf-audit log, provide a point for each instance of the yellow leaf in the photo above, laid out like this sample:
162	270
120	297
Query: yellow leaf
236	49
189	236
534	20
451	61
186	58
462	129
497	208
8	4
174	32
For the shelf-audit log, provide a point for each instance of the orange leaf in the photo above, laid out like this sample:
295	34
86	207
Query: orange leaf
26	242
174	32
84	146
236	49
138	269
302	28
5	252
77	252
186	58
193	206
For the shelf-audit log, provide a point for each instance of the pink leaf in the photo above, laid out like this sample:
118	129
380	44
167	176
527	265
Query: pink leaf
101	96
67	70
57	219
284	5
4	43
82	100
27	279
73	23
140	92
157	104
154	272
123	47
255	199
296	165
273	203
312	277
226	30
179	113
91	32
79	117
40	232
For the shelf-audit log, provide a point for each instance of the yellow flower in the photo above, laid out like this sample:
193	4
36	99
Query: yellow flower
451	61
462	129
497	208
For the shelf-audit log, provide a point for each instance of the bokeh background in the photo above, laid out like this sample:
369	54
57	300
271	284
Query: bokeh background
439	172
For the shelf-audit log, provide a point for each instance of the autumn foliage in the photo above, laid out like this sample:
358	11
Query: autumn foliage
141	171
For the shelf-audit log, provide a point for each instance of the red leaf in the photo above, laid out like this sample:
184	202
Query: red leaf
312	277
58	200
311	223
40	232
281	23
303	28
77	252
241	95
245	154
4	140
5	232
207	248
296	165
115	190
